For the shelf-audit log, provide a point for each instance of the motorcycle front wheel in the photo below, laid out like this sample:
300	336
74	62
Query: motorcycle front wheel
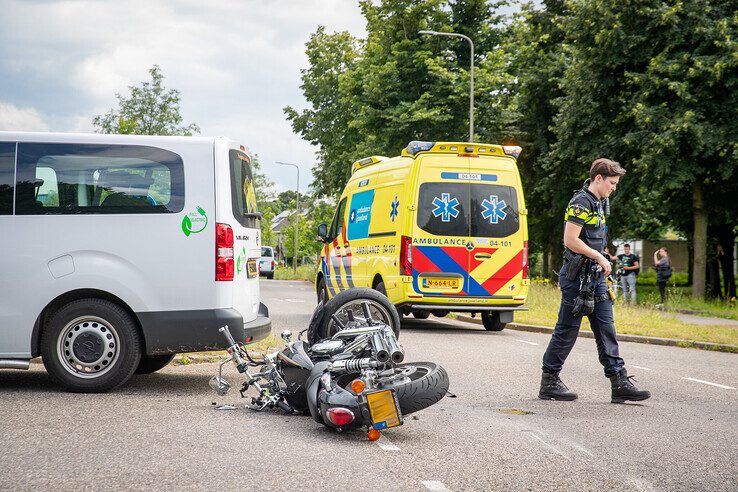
349	308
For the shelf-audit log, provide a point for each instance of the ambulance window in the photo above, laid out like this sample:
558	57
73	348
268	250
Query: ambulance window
97	179
494	210
7	177
243	194
443	208
337	224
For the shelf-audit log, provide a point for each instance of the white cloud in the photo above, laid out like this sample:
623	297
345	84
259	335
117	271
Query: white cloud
17	119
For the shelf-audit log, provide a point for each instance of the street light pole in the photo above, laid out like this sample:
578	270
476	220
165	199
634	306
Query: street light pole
471	74
297	211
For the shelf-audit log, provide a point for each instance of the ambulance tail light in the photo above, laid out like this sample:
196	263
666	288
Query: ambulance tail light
525	259
406	255
224	264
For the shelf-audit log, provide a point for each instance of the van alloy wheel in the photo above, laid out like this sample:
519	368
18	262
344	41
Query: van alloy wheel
88	347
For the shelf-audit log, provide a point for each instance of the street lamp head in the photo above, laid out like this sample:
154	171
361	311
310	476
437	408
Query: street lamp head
430	33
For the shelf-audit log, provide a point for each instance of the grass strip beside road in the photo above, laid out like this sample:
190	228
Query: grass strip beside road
256	350
544	299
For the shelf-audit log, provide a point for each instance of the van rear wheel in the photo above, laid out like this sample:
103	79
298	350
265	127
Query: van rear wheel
91	346
491	321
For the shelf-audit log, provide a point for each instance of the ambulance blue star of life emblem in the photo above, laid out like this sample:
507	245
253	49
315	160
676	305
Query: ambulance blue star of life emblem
394	211
494	209
445	207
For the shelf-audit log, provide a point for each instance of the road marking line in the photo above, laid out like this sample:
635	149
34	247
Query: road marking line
711	384
547	444
386	444
525	341
434	485
582	449
640	367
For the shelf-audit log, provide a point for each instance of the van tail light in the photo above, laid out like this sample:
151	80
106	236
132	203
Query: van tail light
525	259
406	255
224	264
273	263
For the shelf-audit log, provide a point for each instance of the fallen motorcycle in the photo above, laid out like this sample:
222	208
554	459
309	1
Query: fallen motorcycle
349	374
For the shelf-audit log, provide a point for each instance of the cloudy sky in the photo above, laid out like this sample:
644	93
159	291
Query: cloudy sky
236	63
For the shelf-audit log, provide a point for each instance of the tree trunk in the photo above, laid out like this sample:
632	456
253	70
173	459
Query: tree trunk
545	268
726	240
699	238
557	252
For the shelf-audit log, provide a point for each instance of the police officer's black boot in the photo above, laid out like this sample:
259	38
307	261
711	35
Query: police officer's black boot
624	390
552	388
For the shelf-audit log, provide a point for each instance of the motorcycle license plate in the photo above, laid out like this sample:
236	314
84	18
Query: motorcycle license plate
440	283
383	409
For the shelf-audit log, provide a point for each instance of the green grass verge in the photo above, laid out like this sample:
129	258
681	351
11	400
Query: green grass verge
304	272
256	350
544	299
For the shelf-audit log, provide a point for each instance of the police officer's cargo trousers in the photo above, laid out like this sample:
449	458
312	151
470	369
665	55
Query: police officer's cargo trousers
567	329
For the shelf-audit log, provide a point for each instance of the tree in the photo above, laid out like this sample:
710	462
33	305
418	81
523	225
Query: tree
372	97
150	109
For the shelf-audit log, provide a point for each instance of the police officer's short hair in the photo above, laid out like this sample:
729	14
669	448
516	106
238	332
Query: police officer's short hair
606	168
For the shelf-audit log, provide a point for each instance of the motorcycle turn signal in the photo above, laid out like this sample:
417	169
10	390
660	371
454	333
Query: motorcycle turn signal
373	434
357	386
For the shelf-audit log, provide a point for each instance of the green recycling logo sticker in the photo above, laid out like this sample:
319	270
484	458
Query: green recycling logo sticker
194	222
241	261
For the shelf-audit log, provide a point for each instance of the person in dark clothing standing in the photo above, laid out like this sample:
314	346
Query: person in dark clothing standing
630	263
663	270
585	236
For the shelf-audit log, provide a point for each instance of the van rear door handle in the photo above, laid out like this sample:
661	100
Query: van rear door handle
482	256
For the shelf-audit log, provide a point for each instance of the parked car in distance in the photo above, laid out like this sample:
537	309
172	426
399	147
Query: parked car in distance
267	262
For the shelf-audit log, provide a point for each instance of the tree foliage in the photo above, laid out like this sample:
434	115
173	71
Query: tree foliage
149	109
648	83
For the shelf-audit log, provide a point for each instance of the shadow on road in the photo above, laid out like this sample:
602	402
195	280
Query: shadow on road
434	326
163	383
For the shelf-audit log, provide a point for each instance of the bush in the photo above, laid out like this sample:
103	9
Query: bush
648	277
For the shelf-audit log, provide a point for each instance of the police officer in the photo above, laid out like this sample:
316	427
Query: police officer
585	234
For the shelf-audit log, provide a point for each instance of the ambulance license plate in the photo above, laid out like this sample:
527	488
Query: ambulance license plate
251	269
383	409
441	283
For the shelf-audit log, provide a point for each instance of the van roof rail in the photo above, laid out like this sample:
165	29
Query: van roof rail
461	148
367	161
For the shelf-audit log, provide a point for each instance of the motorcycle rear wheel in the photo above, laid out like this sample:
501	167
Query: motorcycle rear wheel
417	385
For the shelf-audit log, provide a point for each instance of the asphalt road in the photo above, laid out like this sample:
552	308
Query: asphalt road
163	431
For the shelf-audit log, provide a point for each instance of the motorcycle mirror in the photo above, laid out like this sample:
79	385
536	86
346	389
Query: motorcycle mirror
286	335
220	385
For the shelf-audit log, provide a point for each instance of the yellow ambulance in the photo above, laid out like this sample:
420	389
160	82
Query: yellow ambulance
440	228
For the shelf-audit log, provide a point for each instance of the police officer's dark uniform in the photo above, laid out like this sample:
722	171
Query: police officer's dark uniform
586	210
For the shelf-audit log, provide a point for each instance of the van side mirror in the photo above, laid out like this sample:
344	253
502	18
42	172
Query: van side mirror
323	232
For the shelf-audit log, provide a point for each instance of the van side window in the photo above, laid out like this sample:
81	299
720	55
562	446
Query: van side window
337	224
97	179
243	194
7	177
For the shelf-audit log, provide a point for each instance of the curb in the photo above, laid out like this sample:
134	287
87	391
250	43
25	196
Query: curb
672	342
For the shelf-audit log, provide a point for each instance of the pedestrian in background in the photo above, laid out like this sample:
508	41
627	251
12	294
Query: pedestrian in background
630	264
663	270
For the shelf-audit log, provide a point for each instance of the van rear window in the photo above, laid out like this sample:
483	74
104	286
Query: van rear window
463	209
243	195
97	179
7	177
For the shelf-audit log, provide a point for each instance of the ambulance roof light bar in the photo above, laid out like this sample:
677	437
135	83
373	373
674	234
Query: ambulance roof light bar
418	146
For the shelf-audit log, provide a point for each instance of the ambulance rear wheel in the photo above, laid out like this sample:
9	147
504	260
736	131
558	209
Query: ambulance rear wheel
380	288
421	314
491	321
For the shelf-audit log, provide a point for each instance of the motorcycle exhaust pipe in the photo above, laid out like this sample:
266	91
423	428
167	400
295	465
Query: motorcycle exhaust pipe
380	350
396	353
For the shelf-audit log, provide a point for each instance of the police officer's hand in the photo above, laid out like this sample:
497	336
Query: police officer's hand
604	264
